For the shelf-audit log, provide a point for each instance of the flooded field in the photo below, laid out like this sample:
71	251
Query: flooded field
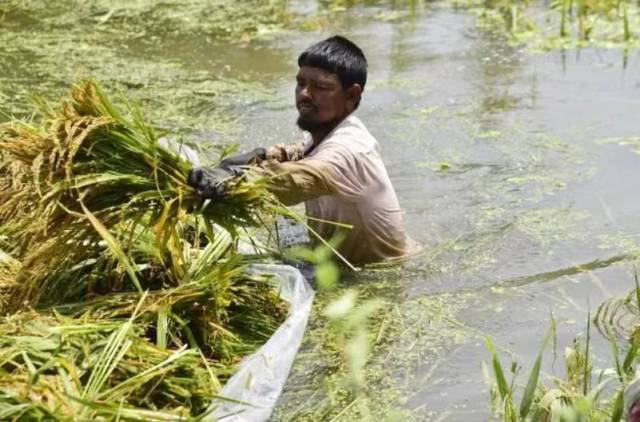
517	172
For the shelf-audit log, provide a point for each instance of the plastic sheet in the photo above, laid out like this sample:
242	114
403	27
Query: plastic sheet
259	381
253	390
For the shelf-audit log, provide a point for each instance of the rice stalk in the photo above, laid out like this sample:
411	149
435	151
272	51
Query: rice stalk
90	174
144	306
49	361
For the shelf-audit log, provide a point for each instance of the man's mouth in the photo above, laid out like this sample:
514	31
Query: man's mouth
306	108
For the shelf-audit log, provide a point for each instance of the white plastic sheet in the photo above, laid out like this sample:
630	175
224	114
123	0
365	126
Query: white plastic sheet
261	376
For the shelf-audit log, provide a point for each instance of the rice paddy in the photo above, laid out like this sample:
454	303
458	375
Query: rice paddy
515	171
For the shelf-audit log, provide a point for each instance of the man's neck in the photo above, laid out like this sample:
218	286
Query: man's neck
321	133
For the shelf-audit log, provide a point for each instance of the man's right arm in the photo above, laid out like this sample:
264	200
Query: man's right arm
279	152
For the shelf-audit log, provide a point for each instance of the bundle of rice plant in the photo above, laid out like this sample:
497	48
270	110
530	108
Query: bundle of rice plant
60	368
94	213
85	180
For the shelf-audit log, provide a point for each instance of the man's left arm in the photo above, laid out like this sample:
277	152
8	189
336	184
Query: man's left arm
295	182
279	152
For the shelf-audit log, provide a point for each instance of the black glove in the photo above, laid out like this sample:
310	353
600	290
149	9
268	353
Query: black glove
248	158
209	183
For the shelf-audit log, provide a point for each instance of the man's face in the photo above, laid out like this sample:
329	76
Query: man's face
320	99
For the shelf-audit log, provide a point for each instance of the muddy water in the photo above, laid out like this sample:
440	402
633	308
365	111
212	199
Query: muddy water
496	156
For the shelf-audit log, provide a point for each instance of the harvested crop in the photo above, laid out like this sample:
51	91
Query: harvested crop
123	292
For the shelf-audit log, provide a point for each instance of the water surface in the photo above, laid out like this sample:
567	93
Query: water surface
495	153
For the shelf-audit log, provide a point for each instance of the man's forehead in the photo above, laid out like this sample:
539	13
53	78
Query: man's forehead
317	73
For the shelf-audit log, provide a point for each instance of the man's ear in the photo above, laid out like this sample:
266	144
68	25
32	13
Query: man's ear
354	92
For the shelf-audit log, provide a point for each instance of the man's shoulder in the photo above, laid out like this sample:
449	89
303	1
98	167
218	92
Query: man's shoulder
352	135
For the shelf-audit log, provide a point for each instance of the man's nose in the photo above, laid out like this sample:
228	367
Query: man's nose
304	93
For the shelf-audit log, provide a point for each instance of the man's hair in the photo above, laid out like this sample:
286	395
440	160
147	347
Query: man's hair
340	56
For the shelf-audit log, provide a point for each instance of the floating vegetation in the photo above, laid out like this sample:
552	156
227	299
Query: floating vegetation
631	141
409	342
219	18
165	55
538	25
561	23
94	211
623	243
548	225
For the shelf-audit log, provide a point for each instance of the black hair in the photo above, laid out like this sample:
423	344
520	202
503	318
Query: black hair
340	56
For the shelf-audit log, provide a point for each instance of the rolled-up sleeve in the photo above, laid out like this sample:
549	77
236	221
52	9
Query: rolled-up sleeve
286	152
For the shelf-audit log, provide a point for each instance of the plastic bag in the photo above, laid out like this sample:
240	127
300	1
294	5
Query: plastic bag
259	381
253	390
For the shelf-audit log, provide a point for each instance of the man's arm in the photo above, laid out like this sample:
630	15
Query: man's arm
279	152
295	182
283	153
293	178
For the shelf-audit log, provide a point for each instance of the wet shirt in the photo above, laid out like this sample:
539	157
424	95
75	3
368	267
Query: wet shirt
342	180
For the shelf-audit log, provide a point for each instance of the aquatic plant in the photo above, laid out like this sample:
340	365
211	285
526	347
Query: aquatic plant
559	23
585	393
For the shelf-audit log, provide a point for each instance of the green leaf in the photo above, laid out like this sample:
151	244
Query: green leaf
327	275
532	383
163	327
341	307
618	407
113	245
635	279
630	358
501	381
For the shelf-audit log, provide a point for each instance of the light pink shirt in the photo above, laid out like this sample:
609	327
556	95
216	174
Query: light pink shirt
344	180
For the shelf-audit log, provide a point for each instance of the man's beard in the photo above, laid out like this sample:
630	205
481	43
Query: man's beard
313	126
309	125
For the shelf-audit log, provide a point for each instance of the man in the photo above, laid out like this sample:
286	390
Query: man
632	400
336	170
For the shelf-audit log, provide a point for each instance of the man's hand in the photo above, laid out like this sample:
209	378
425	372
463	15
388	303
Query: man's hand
210	183
253	157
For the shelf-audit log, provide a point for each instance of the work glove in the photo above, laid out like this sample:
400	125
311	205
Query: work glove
210	183
248	158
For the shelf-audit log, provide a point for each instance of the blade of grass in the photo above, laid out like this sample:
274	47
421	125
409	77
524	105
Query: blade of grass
532	383
585	386
113	245
501	381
